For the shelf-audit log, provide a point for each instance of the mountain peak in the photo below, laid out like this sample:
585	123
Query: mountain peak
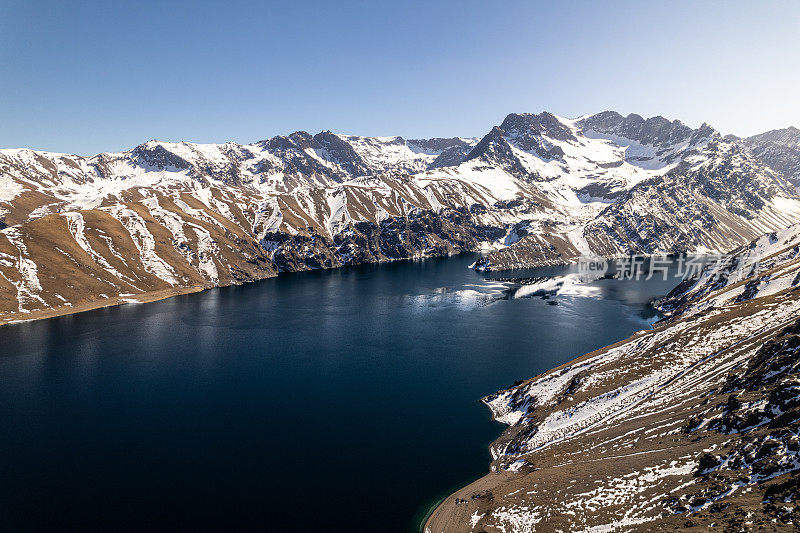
156	154
544	123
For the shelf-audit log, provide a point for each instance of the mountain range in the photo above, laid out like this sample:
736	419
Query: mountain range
165	218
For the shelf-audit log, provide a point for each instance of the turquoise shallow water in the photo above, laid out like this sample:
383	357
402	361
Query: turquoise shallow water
323	401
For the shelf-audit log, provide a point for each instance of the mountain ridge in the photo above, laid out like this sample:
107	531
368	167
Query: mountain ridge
538	189
780	149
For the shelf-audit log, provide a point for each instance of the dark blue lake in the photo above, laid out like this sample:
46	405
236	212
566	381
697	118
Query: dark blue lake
344	400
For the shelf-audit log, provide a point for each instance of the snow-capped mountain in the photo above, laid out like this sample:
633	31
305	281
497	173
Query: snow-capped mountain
691	424
780	149
639	186
166	217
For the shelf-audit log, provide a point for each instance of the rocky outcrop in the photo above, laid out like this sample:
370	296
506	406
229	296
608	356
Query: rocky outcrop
655	131
780	149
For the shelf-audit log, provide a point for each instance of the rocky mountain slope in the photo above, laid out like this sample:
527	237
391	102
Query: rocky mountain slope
693	424
164	218
780	149
672	190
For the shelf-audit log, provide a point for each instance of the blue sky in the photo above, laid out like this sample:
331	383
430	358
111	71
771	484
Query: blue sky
85	77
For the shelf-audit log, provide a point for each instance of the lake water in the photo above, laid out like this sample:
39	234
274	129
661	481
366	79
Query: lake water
344	400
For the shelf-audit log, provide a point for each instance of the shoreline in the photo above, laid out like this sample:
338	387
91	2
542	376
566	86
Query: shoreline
419	524
421	518
491	478
141	298
17	317
154	296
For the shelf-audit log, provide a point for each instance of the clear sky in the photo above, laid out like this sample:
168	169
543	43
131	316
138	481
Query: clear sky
84	76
